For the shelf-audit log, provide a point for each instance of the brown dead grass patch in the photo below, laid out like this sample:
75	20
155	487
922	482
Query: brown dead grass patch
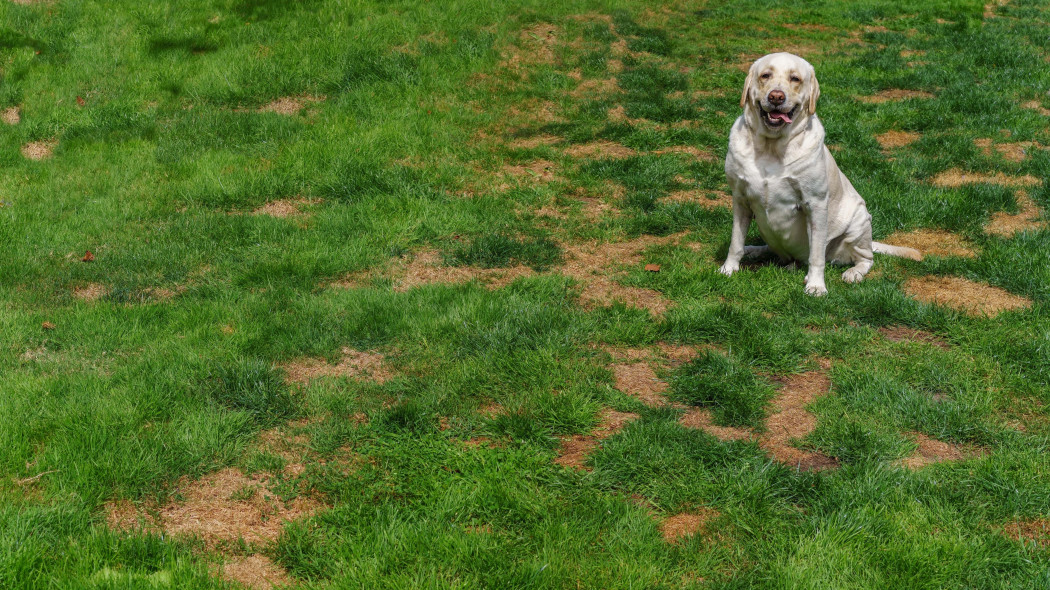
687	524
39	150
955	178
906	334
577	448
11	116
283	208
895	139
639	380
1035	105
963	295
791	421
596	87
1013	152
535	46
527	143
354	364
894	94
597	150
591	263
931	450
257	572
290	105
90	292
933	242
535	171
1037	530
618	114
687	150
700	419
1007	224
705	198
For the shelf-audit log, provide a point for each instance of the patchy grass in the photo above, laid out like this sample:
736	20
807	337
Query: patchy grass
423	294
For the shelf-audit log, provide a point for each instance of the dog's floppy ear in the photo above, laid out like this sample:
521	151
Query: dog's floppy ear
747	85
814	93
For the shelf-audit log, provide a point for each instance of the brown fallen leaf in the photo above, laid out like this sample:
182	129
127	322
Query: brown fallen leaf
81	101
47	326
652	267
88	257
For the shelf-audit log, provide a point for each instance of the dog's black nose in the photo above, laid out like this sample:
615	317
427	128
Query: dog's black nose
777	98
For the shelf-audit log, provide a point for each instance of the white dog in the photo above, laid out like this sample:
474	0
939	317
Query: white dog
784	177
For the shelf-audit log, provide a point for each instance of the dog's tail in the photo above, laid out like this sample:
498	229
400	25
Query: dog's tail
900	251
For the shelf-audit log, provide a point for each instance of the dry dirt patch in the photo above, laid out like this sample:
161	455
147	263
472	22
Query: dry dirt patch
963	295
933	242
283	208
791	421
576	448
528	143
603	149
290	105
896	139
894	94
90	292
955	178
354	364
686	150
589	263
535	47
39	150
535	171
596	87
639	380
1035	105
703	198
1007	224
686	524
931	450
11	116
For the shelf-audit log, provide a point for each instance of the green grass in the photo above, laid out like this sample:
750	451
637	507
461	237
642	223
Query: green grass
161	155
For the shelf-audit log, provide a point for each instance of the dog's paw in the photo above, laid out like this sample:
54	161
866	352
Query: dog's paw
816	289
853	275
729	268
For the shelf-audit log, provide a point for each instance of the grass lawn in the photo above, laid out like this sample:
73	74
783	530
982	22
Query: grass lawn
424	294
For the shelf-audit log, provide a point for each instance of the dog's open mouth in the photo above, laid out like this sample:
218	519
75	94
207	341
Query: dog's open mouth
777	119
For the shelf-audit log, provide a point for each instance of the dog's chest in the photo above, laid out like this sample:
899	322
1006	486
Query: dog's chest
768	185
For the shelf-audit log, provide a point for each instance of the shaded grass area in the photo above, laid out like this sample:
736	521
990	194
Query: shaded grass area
404	131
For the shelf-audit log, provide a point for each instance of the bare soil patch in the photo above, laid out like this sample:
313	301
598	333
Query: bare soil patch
283	208
290	105
896	139
700	419
90	292
894	94
906	334
11	116
1007	224
39	150
1037	530
1014	152
967	296
577	448
686	524
933	242
791	421
257	572
597	150
354	364
931	450
955	178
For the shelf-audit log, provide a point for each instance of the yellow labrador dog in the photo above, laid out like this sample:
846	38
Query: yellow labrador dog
783	176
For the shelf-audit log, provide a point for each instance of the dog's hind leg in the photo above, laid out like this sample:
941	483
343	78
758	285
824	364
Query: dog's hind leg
856	247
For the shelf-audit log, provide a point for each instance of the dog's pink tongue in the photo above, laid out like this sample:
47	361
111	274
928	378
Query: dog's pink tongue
782	116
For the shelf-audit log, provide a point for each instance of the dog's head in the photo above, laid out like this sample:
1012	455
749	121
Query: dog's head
781	89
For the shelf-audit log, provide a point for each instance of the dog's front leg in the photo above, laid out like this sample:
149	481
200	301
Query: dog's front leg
817	222
741	221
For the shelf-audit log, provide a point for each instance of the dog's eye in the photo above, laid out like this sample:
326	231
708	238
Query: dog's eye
796	79
766	76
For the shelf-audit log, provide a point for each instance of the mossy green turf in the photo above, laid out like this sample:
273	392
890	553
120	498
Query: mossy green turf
154	171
